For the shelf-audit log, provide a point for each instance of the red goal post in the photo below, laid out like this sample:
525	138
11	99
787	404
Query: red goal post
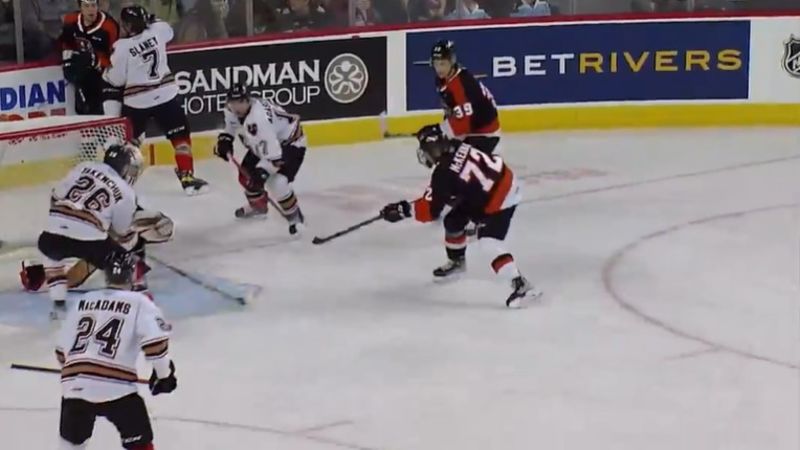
42	150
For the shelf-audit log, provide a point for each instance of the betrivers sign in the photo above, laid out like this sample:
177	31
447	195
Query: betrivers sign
287	83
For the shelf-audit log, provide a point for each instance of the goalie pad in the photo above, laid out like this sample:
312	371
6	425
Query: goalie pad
153	226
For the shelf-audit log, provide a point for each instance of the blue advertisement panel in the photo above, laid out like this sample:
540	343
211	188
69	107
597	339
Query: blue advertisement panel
591	62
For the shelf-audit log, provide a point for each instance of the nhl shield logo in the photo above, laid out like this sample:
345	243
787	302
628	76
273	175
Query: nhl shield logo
252	128
791	56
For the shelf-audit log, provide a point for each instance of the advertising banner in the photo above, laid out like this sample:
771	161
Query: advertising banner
37	92
592	62
328	79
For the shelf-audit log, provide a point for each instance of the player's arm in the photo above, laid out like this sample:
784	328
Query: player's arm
224	147
115	77
153	332
459	119
163	30
431	205
116	73
122	215
428	208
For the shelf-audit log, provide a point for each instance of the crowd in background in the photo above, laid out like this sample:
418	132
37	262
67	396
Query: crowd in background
197	20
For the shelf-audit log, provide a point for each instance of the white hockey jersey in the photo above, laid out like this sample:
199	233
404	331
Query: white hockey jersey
100	340
265	130
139	65
91	200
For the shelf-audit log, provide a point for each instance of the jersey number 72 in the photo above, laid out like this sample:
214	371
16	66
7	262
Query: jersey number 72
481	167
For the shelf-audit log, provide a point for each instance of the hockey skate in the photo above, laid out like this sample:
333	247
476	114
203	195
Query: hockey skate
523	291
450	269
296	222
59	310
249	211
191	184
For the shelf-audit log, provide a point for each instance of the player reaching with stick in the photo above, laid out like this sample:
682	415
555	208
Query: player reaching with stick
473	186
276	148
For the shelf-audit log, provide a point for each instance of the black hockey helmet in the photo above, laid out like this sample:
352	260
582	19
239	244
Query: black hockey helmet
444	49
135	18
433	144
120	268
239	91
125	159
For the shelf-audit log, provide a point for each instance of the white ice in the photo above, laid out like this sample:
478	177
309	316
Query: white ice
671	318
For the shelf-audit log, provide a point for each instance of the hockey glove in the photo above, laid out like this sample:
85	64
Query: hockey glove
224	148
163	385
395	212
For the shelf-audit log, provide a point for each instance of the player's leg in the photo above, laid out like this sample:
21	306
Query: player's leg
455	243
129	415
55	249
76	424
293	158
171	118
491	239
252	181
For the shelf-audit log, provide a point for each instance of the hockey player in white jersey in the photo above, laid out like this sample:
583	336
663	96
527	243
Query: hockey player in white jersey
99	343
93	199
276	148
139	68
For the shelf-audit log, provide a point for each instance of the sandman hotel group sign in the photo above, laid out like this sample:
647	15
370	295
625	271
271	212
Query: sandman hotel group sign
318	80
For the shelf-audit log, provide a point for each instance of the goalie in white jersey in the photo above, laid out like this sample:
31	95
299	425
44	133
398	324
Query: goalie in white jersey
97	348
139	68
276	148
94	213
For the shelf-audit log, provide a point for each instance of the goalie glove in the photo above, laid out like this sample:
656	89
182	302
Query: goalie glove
153	226
224	148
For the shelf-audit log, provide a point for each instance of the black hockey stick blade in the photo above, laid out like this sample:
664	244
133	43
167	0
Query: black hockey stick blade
321	240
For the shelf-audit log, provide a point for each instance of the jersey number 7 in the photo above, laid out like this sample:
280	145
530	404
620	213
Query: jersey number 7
481	167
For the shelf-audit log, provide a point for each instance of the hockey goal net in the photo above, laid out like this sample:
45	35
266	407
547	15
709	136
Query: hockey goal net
36	152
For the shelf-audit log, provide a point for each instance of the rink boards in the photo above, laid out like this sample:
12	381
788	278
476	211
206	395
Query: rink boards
545	75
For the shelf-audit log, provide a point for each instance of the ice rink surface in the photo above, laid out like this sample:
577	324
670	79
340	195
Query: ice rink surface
671	317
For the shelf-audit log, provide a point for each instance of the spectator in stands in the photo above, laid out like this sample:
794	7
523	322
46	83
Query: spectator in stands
169	11
392	11
469	10
205	20
302	15
532	8
338	12
41	22
365	14
426	10
8	50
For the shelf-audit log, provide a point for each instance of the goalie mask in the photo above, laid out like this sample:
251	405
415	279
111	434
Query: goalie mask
125	159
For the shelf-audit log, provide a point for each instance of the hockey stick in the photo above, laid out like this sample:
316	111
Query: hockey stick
238	299
51	370
247	175
321	240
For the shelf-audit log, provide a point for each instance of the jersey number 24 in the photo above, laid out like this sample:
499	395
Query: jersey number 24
107	336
